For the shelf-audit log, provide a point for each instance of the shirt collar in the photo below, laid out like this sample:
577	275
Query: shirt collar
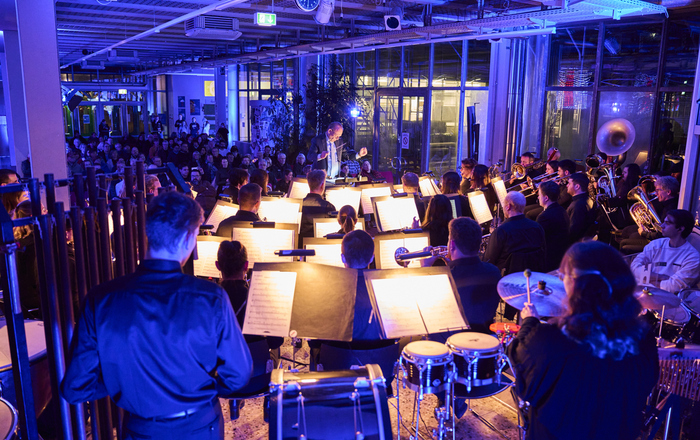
160	266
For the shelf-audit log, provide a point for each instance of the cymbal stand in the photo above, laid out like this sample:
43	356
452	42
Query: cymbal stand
661	326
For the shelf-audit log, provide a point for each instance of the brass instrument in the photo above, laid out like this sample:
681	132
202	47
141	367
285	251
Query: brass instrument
402	256
615	137
593	161
484	245
643	212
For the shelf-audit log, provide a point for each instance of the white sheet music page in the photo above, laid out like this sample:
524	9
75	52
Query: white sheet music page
325	228
206	256
219	214
299	190
400	317
427	187
342	197
270	299
279	211
396	213
368	193
480	207
328	254
261	243
388	247
437	303
453	202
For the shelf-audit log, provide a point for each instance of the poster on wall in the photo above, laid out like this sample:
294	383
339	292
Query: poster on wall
259	125
194	107
181	111
181	102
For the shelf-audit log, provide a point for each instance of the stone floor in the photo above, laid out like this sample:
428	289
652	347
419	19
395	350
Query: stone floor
496	410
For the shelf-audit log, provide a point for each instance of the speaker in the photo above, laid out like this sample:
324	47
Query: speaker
392	22
74	101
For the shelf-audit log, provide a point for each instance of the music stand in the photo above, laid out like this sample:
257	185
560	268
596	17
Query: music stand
207	250
221	211
398	188
385	246
345	196
263	239
455	202
298	188
327	251
280	210
373	190
394	213
480	207
499	187
318	301
415	301
325	226
427	186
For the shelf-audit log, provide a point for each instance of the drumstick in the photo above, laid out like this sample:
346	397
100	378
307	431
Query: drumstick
527	274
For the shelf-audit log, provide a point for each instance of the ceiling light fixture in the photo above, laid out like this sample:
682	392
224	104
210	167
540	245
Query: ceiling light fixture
516	34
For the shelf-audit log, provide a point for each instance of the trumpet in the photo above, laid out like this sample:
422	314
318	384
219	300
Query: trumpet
402	256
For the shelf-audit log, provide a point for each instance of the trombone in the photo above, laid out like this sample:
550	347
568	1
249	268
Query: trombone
402	256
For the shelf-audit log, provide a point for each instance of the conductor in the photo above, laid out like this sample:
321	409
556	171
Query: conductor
325	152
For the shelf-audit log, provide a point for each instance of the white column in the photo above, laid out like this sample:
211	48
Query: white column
233	115
13	91
220	95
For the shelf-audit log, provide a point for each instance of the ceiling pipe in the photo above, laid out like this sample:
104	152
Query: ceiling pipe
157	29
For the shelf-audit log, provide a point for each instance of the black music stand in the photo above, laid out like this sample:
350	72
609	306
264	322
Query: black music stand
385	246
394	212
327	251
323	305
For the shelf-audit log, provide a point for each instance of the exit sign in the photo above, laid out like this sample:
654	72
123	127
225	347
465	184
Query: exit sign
265	19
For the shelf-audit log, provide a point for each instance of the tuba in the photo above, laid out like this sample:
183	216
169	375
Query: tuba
615	137
642	212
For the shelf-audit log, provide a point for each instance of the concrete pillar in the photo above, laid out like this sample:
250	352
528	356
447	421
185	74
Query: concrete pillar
220	96
498	105
13	91
40	82
233	115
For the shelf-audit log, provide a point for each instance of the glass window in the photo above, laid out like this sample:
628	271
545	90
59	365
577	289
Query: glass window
631	55
364	68
254	77
447	71
672	128
478	63
290	73
243	77
111	95
112	114
134	119
364	123
90	96
265	76
87	116
681	54
636	107
390	67
243	116
278	75
572	59
413	125
417	65
67	122
567	123
479	99
444	127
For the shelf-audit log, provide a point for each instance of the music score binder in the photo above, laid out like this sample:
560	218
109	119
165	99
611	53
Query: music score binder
298	188
327	251
325	226
373	190
394	213
413	302
318	304
221	211
427	186
261	243
480	207
280	210
207	250
385	246
345	196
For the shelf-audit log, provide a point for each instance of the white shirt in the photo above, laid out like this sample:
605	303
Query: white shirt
333	162
681	264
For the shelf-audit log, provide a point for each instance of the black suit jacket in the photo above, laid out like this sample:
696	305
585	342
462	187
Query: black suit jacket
313	207
226	227
520	238
580	218
318	146
555	222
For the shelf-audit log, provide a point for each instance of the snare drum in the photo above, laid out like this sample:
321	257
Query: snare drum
675	319
427	366
691	330
478	358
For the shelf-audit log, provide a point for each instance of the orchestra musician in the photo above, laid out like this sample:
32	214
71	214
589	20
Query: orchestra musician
163	345
347	219
670	263
580	216
465	170
249	197
587	374
567	167
314	206
450	187
437	219
411	186
480	181
555	222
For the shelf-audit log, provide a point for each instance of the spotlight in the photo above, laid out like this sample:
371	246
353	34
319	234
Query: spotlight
355	112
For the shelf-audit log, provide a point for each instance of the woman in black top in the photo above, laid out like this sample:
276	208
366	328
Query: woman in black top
347	218
437	220
587	374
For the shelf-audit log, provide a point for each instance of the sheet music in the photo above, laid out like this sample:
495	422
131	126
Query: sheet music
299	190
342	197
480	208
400	317
206	257
436	301
325	228
453	202
427	187
261	243
501	191
395	214
279	211
220	213
270	299
388	247
368	193
328	254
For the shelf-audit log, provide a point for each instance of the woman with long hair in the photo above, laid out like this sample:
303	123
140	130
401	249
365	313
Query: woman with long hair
437	219
347	218
587	374
481	182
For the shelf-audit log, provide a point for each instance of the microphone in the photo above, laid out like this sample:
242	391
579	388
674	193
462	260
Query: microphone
296	253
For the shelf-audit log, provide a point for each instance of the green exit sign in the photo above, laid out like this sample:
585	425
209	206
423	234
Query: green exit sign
265	19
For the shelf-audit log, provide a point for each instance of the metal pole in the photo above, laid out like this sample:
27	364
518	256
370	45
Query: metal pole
34	196
43	236
140	176
118	240
79	187
129	251
128	182
92	185
141	224
105	243
103	189
50	186
76	220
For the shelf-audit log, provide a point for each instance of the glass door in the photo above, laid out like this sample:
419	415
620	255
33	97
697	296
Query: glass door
134	119
86	116
112	114
400	133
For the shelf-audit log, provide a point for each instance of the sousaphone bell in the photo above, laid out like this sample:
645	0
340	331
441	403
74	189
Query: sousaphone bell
615	137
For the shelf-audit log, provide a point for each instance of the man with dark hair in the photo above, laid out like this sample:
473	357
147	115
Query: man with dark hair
567	167
314	206
465	170
206	192
249	197
666	188
238	178
357	250
555	223
580	215
670	263
411	186
163	345
326	154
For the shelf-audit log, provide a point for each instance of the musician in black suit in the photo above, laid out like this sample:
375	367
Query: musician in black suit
555	222
326	153
249	197
314	206
580	216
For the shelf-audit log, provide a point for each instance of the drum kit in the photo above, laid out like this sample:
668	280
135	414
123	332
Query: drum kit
676	318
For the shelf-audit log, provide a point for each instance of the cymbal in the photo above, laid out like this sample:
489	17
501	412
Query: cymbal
653	298
550	301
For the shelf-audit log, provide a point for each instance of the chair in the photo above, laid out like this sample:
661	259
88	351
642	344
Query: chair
259	383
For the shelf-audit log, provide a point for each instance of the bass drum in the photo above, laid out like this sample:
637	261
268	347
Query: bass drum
38	365
338	405
691	330
8	420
